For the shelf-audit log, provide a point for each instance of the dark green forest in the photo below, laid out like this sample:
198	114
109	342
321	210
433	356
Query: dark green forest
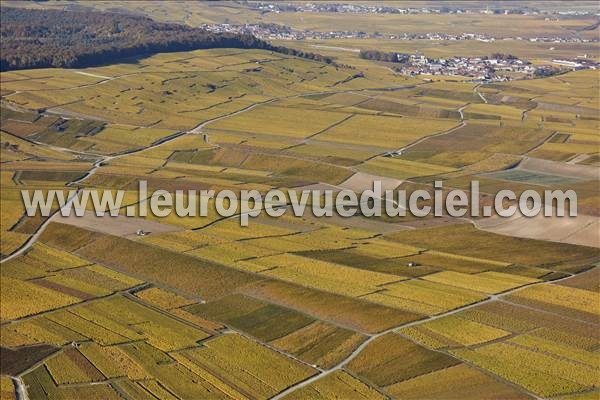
77	39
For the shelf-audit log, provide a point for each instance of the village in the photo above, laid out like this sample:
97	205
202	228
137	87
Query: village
270	31
322	7
479	68
498	67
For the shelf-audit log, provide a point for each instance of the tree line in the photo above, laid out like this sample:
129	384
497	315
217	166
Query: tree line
77	39
377	55
394	57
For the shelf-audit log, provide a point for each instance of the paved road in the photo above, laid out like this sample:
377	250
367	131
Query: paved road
476	90
20	390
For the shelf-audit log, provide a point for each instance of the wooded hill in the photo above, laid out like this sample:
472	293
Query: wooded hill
76	39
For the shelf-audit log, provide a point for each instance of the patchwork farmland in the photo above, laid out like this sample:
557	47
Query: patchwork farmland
152	307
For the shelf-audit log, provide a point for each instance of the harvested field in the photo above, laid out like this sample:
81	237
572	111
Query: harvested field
582	230
361	181
118	226
560	169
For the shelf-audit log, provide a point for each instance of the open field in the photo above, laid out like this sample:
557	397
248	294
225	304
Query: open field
582	230
119	226
303	307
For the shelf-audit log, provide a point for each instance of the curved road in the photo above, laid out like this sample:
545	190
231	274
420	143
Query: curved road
20	389
21	393
196	130
359	349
